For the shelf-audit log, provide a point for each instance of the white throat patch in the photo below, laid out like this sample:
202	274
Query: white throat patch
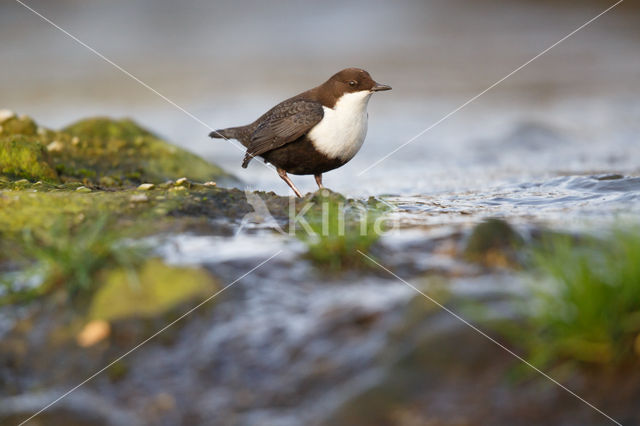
342	130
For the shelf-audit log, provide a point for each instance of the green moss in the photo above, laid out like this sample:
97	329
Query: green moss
18	126
24	158
97	151
122	150
104	129
155	289
38	211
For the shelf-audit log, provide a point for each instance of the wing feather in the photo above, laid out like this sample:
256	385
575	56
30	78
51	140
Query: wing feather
285	123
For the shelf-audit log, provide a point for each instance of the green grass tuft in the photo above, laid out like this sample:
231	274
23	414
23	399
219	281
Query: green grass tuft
338	229
70	256
586	309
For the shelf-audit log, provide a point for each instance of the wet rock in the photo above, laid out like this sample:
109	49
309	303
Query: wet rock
494	243
609	176
83	189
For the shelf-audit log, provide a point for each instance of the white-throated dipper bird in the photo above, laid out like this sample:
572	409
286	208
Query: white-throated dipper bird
313	132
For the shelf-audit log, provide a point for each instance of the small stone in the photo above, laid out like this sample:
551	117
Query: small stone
75	141
83	189
146	186
181	181
6	114
107	181
92	333
70	185
178	188
494	242
139	198
210	183
164	402
55	146
21	182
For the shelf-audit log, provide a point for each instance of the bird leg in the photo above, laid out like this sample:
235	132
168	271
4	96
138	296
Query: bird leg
319	180
283	174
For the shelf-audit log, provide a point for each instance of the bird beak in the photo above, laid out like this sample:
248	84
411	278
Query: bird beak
380	87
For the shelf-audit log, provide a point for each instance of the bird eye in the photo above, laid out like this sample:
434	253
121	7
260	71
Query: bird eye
352	83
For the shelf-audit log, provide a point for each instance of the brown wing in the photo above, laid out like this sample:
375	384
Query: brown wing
284	123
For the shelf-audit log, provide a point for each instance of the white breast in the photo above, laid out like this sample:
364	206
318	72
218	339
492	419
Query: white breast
342	130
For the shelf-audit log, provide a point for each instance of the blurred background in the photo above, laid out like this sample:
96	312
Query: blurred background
228	62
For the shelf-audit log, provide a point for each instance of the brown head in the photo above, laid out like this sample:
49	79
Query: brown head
348	80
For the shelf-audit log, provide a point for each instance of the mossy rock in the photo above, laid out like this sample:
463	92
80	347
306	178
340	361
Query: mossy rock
156	288
14	125
494	242
22	157
96	151
125	152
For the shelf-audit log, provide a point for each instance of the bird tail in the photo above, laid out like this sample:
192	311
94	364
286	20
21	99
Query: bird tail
239	133
230	133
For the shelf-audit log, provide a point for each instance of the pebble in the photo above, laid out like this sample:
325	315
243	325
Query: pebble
146	186
210	183
55	146
83	189
107	181
181	181
93	332
139	198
